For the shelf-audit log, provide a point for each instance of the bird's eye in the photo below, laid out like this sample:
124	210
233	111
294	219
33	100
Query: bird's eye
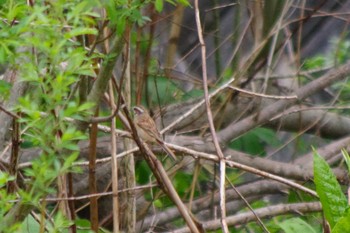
138	110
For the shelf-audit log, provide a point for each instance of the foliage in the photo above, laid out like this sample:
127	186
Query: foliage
254	141
296	225
58	49
334	203
5	88
6	199
53	72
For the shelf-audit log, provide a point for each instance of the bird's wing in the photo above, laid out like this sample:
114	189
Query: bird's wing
147	126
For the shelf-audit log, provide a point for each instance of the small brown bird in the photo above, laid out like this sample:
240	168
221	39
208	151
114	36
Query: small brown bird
147	129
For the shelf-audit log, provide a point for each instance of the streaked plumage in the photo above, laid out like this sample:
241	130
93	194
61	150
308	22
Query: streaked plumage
147	129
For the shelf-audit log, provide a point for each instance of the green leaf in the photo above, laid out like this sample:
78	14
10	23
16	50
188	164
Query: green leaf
248	143
159	5
60	223
267	136
30	223
346	158
68	161
84	226
315	62
142	172
182	181
328	189
343	225
184	2
4	178
255	140
80	31
5	88
296	225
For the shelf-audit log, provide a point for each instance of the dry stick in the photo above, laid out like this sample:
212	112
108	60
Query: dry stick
236	129
71	205
92	177
174	35
258	172
13	166
273	46
260	222
239	42
42	219
292	173
171	191
200	103
222	164
147	57
316	121
162	177
297	73
62	192
262	95
127	163
15	116
252	190
197	168
102	194
306	108
114	166
244	218
2	155
207	156
276	210
261	64
191	152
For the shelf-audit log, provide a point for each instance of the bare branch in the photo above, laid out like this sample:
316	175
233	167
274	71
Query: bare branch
236	129
270	211
222	164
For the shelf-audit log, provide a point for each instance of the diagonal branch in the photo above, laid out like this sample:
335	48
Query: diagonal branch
162	178
236	129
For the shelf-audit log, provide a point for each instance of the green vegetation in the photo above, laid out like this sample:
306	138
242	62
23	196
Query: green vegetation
71	64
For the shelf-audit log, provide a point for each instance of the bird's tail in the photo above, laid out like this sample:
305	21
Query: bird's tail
168	151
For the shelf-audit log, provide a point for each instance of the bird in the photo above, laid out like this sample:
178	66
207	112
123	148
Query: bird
147	130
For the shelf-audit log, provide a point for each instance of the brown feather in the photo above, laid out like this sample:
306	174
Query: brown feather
147	129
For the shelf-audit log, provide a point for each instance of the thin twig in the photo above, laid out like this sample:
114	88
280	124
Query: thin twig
200	103
273	46
235	129
262	95
83	197
250	169
265	212
211	122
86	163
9	113
260	222
305	108
92	175
114	166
